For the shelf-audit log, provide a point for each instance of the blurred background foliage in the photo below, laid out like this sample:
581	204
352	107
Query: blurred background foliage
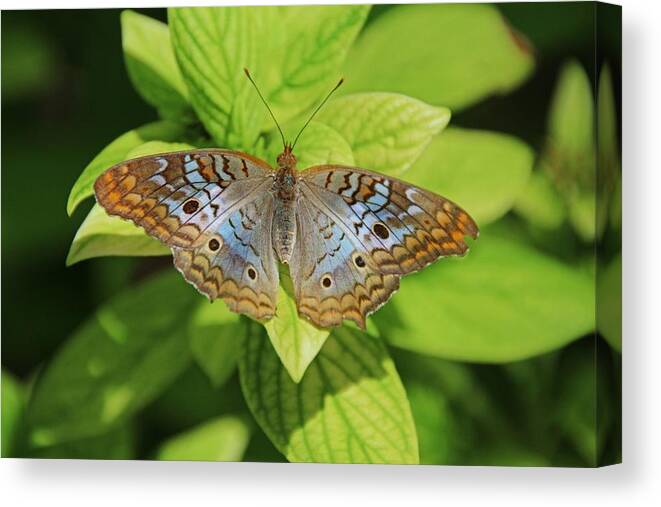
491	379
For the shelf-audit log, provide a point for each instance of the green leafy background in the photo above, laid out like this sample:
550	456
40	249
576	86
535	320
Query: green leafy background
489	359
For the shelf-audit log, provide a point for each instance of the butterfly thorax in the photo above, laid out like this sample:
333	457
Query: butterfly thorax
284	218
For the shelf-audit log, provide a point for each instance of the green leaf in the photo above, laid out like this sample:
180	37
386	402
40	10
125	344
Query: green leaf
103	235
386	131
609	303
213	46
119	360
116	152
152	66
116	444
571	127
216	338
317	40
483	172
434	423
570	157
319	144
295	339
350	407
608	191
575	412
13	404
540	203
221	439
582	214
504	301
450	54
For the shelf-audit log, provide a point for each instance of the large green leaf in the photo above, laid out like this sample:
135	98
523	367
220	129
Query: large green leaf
484	172
386	131
103	235
126	354
504	301
221	439
350	407
216	336
317	40
449	54
609	303
295	339
13	404
118	151
152	66
213	45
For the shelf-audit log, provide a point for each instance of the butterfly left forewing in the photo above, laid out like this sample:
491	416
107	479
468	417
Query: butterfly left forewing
214	209
176	196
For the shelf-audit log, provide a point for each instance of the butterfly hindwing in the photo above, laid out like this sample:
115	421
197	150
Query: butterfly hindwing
333	279
378	229
237	261
214	209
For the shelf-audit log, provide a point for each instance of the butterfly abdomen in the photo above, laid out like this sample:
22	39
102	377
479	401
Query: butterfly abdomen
284	217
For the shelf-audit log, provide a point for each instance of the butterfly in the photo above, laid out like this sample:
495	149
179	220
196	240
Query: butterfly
346	234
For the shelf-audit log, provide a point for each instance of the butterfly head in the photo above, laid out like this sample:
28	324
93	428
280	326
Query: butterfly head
287	159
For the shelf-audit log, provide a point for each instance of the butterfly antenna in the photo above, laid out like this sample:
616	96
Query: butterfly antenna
267	106
316	111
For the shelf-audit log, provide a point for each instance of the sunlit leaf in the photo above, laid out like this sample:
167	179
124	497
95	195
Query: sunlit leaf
216	338
316	43
386	131
504	301
120	359
213	45
118	151
447	54
350	406
102	235
152	66
221	439
483	172
295	339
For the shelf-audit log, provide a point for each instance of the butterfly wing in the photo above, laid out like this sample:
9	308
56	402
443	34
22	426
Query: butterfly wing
210	207
390	226
333	277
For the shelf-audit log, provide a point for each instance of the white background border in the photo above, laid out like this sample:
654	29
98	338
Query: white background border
637	482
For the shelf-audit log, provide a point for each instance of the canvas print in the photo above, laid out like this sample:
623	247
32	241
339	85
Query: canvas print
335	234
